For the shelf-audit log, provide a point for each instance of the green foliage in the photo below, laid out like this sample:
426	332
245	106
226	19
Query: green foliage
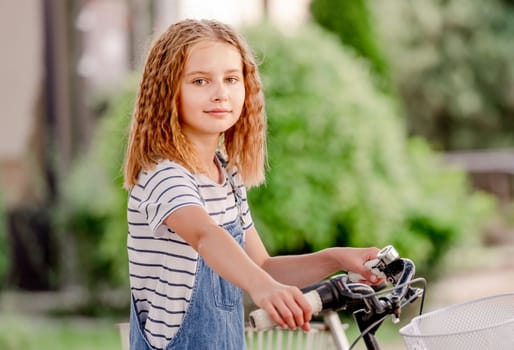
341	170
31	333
452	63
350	20
93	207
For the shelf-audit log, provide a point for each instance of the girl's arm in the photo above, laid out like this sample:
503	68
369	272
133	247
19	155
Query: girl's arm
305	269
285	304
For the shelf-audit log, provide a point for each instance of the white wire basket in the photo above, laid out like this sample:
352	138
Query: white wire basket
481	324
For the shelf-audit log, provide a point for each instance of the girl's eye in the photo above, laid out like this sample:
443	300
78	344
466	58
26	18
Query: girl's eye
200	82
232	80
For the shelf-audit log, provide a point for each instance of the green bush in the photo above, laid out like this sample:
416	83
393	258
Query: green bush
93	205
341	170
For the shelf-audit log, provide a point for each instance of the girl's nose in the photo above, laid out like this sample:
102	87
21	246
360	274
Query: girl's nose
220	93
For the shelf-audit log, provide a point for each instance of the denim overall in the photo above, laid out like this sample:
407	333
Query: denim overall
214	319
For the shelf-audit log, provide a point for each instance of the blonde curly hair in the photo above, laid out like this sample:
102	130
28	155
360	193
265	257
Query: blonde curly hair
156	133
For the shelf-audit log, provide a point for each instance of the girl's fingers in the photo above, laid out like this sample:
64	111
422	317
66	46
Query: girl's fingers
305	306
289	309
306	326
287	314
296	310
274	314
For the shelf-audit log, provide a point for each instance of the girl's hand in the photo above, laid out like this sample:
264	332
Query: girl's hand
286	305
353	259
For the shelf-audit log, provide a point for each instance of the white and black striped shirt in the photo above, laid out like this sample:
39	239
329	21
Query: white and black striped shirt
162	265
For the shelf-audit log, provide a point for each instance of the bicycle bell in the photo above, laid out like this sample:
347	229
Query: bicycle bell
387	255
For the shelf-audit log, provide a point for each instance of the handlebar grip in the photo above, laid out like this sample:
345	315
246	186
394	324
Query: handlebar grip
260	320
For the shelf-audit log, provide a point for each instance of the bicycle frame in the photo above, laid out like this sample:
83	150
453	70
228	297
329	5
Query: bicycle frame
331	319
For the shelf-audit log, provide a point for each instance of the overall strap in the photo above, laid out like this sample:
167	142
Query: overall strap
238	195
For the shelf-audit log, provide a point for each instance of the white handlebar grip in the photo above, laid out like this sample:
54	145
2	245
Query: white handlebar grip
371	265
260	320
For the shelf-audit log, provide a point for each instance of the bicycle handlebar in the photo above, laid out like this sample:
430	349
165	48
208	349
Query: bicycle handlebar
340	292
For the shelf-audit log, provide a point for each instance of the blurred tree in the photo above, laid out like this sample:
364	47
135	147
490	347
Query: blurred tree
4	248
93	205
351	21
342	171
452	63
141	19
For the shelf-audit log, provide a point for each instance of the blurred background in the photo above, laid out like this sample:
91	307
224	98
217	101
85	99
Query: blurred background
390	122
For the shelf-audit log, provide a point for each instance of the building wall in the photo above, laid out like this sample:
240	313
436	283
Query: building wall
21	70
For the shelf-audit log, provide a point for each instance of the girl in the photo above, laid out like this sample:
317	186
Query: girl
197	141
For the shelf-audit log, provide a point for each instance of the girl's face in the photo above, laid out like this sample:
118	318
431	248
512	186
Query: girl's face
212	89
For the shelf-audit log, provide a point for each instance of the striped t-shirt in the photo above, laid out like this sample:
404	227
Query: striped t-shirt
162	265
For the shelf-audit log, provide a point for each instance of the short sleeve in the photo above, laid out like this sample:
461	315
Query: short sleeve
163	190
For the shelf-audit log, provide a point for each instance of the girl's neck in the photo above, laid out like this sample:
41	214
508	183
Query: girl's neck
206	156
205	152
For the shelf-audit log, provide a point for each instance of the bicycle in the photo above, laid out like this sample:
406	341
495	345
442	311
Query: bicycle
370	306
482	324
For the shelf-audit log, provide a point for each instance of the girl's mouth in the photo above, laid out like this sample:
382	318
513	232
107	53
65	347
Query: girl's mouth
217	111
